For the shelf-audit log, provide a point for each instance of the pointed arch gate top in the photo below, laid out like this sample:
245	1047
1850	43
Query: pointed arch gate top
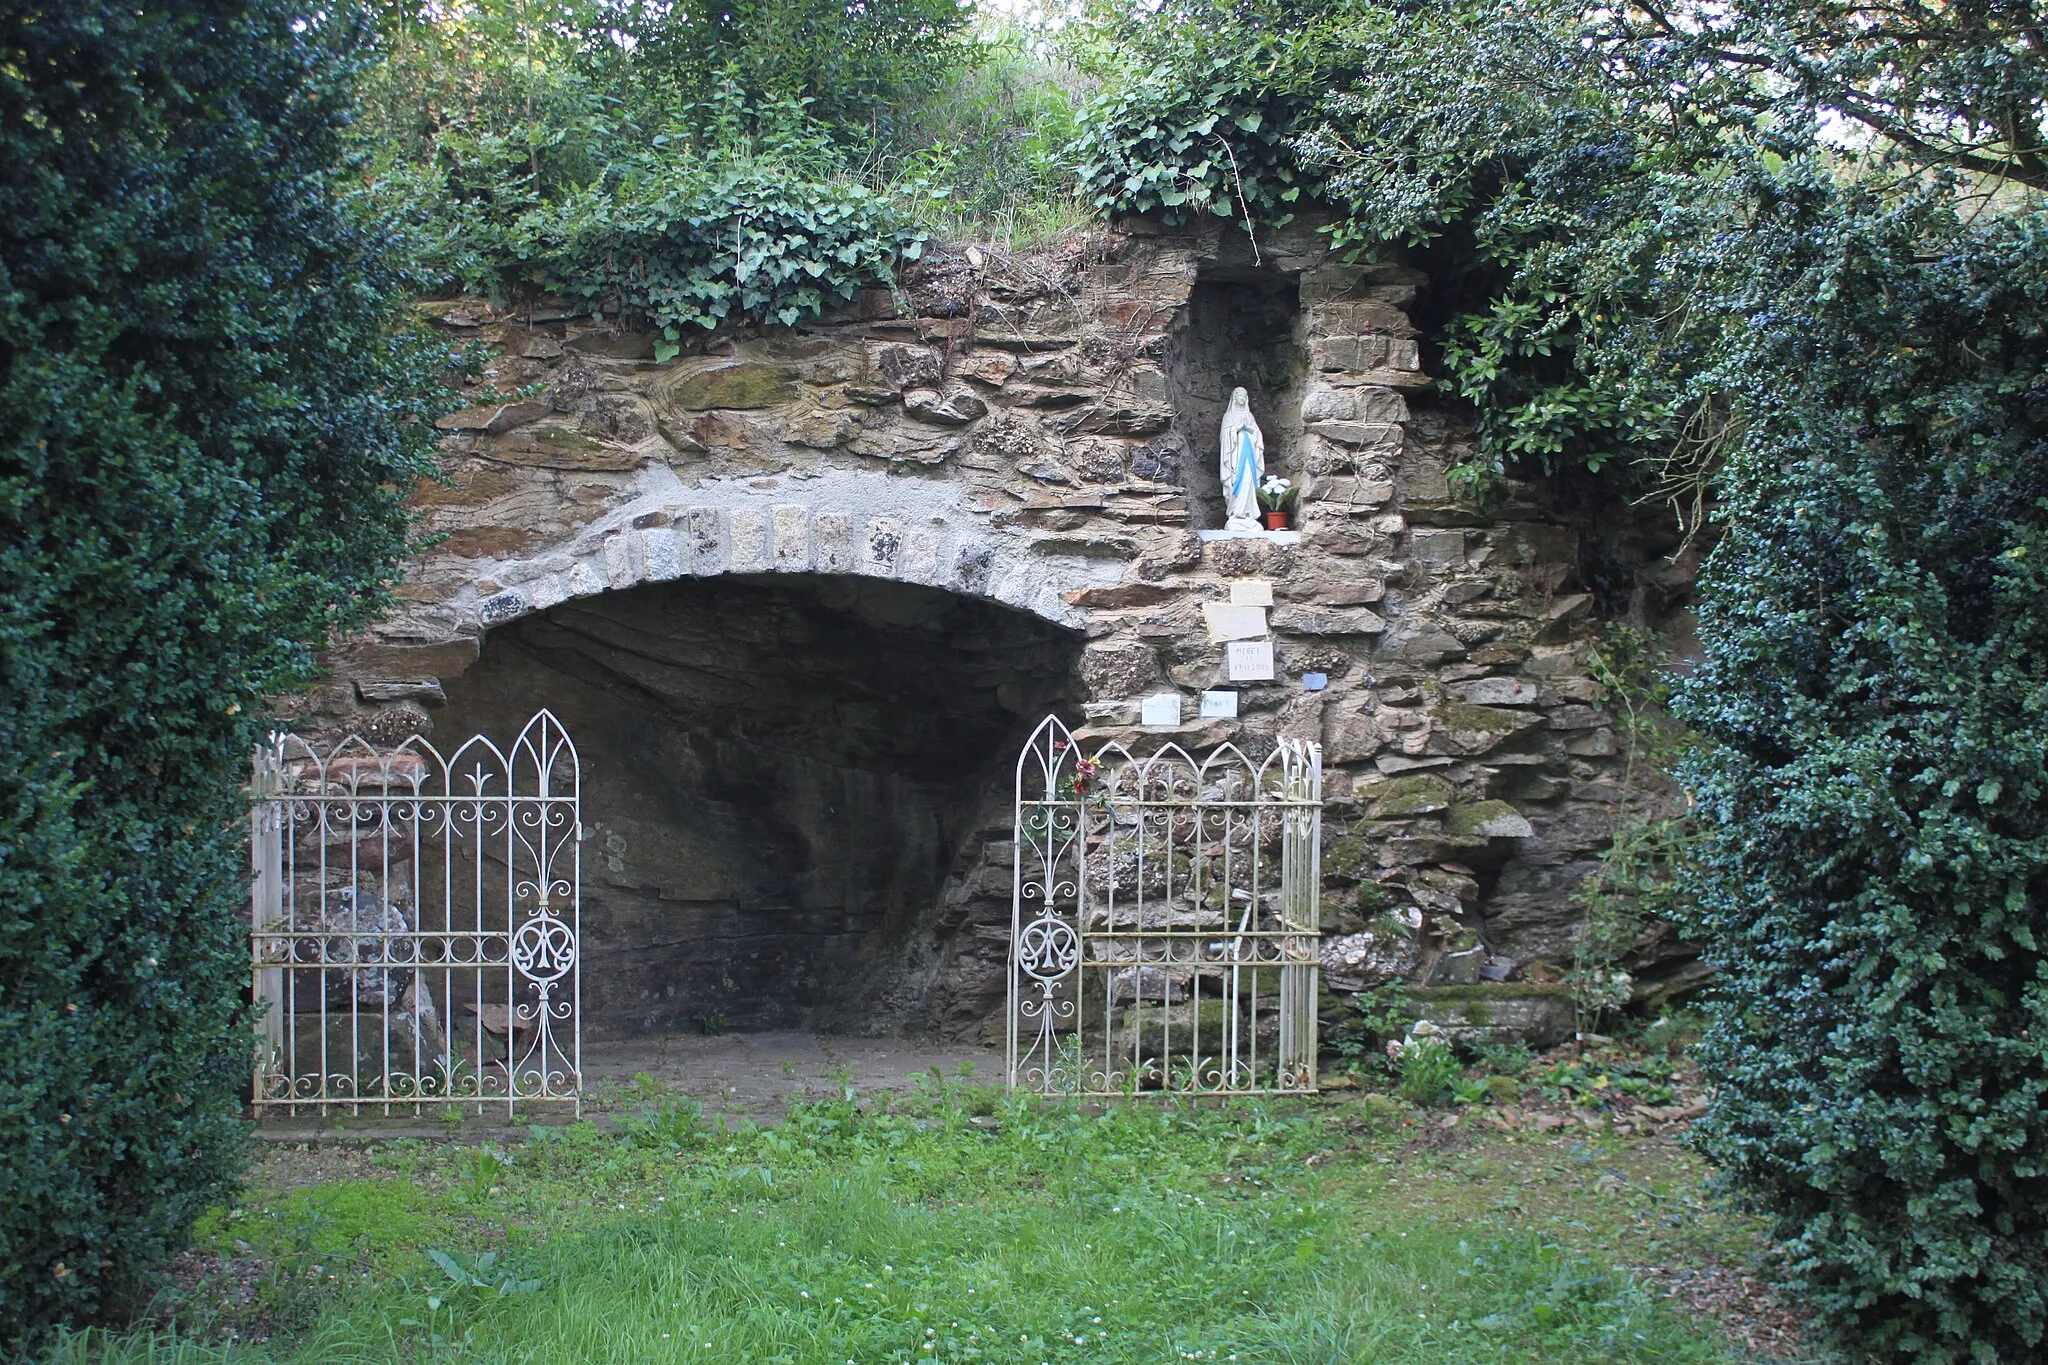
415	923
1165	917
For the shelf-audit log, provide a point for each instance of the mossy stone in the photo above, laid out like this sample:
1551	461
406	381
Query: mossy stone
1415	794
563	438
1508	990
1486	820
1347	856
1178	1028
746	385
1462	715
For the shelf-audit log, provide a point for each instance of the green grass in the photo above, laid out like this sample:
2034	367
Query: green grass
963	1226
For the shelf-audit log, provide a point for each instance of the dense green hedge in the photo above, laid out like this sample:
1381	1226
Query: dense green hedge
206	423
1873	879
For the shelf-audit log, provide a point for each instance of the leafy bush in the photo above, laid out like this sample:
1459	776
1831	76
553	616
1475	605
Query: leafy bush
698	249
756	162
1208	137
1428	1065
208	423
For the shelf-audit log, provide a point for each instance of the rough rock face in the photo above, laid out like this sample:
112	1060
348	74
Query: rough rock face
1034	440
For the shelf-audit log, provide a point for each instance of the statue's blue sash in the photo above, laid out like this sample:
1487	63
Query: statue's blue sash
1244	464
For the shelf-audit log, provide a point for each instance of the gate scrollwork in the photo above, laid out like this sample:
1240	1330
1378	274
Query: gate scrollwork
1165	919
414	931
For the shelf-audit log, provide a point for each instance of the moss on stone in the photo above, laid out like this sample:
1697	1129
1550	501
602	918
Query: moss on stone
1507	990
1347	856
562	438
746	385
1463	715
1177	1028
1415	794
1486	820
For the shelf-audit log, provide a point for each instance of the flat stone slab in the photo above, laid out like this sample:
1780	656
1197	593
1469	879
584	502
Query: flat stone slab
1277	537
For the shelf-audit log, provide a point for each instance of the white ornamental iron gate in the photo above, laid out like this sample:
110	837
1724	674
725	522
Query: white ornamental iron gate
1165	918
415	924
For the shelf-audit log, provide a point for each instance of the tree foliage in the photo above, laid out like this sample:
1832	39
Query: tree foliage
752	161
859	67
207	419
1962	85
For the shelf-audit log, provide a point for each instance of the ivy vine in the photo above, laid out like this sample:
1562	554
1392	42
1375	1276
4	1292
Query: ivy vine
744	242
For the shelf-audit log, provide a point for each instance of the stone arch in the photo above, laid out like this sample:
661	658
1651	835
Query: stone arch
838	522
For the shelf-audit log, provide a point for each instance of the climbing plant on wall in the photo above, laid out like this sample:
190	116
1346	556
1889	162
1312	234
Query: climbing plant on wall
209	420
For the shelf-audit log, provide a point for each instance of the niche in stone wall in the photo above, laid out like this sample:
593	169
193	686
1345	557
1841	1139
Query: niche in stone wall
1241	327
779	772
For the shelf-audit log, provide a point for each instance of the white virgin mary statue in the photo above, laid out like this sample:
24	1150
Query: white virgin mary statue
1242	447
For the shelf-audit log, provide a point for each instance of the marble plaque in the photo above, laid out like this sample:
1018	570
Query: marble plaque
1163	709
1219	705
1229	622
1249	660
1251	592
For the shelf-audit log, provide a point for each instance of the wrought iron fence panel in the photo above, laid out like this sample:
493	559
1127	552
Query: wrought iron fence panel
415	923
1165	917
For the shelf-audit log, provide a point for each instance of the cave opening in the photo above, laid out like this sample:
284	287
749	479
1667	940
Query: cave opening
1242	327
788	785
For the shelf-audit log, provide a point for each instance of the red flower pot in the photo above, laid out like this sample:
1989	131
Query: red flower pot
1276	521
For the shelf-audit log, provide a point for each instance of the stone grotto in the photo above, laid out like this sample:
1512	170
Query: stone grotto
798	594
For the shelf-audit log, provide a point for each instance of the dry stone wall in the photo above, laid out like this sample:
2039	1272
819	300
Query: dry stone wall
1038	434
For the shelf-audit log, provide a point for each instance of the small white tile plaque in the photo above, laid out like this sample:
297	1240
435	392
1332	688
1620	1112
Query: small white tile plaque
1163	709
1230	622
1249	660
1251	592
1219	705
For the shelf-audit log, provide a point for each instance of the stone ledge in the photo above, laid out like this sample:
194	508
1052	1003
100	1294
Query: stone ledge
1276	537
